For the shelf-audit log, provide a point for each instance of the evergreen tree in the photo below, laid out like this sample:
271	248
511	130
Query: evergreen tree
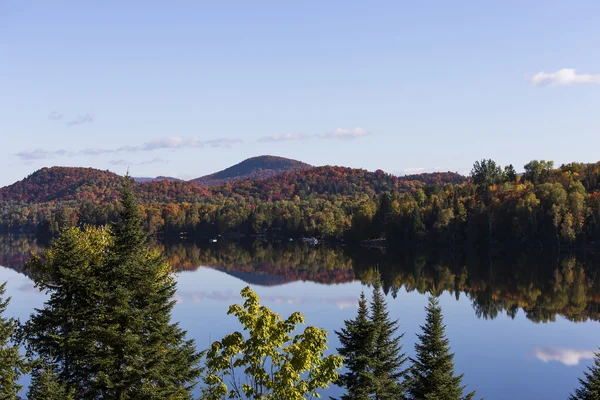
12	364
356	339
387	359
144	355
45	385
106	326
64	331
432	374
590	386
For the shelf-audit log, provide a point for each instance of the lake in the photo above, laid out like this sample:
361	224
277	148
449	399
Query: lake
522	325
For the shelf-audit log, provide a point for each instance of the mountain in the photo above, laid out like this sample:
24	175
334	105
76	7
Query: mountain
253	168
158	178
64	183
267	178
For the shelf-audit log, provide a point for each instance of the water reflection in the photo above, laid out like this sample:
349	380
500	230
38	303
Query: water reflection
543	285
570	357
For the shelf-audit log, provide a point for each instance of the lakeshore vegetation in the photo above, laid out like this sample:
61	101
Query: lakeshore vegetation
543	207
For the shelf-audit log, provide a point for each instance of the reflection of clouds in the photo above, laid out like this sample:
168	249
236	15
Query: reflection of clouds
568	357
230	297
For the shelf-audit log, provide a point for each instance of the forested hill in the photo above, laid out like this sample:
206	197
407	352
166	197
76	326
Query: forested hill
63	184
329	181
253	168
67	184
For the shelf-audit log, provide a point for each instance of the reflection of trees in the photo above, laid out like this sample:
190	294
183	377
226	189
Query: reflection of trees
15	250
292	262
543	285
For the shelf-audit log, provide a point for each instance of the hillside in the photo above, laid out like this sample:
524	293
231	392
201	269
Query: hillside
142	179
59	184
64	183
253	168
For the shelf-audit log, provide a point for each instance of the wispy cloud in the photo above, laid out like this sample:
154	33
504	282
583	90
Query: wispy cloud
284	137
177	142
565	76
570	357
40	154
81	119
55	116
172	142
339	133
121	162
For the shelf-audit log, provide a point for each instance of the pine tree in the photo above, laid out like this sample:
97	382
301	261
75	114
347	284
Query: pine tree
144	355
12	364
45	385
387	359
590	386
106	327
356	339
64	331
432	374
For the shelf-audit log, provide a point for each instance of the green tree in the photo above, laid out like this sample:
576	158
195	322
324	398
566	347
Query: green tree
538	171
510	175
45	385
432	374
272	364
486	173
12	364
106	325
63	331
357	346
143	355
590	385
387	360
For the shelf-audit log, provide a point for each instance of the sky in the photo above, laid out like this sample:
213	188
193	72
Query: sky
187	88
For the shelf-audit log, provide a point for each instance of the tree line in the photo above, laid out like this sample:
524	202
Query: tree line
544	206
105	332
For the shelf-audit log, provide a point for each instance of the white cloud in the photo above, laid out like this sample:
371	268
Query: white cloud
284	137
171	142
341	133
565	76
40	154
570	357
177	142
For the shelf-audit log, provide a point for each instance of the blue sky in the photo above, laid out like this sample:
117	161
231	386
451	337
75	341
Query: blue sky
187	88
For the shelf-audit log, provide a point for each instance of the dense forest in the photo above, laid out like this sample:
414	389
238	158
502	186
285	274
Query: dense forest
544	206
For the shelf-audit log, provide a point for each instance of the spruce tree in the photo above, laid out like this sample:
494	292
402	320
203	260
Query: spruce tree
64	332
106	327
45	385
387	359
431	375
590	386
143	354
12	364
356	339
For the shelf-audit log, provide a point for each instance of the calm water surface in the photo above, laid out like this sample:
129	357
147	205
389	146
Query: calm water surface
522	326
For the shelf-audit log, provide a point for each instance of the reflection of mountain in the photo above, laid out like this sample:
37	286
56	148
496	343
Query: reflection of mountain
255	278
542	285
297	262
